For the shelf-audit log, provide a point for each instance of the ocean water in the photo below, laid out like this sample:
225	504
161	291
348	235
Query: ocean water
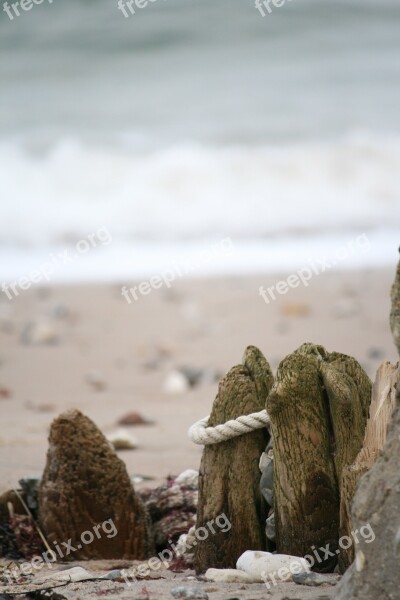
194	121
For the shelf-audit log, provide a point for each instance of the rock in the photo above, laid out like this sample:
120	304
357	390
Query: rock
95	379
132	419
315	579
122	440
259	564
188	477
270	530
176	383
40	332
345	308
59	311
295	309
267	482
30	487
5	393
227	576
375	353
85	485
188	592
70	575
196	376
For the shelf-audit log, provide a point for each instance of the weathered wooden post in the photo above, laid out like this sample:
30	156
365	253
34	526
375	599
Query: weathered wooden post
229	471
318	408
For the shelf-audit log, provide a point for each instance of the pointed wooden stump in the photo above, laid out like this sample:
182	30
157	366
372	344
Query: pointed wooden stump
229	471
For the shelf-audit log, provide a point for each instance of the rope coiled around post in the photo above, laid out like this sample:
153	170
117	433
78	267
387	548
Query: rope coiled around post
203	435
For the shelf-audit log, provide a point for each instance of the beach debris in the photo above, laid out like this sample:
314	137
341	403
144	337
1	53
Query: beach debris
85	483
40	332
30	488
307	381
134	418
69	575
229	473
172	508
227	576
5	393
346	308
258	565
176	383
96	381
190	477
295	309
189	592
121	439
312	579
198	376
375	515
43	407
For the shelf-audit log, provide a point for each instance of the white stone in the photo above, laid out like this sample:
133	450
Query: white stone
188	477
258	565
74	574
176	383
227	575
122	440
360	561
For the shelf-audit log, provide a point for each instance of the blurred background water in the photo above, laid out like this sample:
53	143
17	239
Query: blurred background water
196	120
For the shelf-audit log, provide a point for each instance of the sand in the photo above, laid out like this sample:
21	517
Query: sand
132	348
110	357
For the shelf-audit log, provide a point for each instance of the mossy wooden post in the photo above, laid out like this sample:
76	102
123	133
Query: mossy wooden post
305	484
229	471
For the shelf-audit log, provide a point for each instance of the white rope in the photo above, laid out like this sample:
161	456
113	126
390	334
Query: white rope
203	435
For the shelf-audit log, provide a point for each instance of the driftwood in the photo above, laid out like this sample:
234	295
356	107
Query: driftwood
229	472
382	406
318	408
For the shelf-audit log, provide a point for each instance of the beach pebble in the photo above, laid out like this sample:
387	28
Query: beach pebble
346	308
176	383
73	574
188	592
132	419
95	379
40	332
122	440
227	576
295	309
259	564
267	482
59	311
188	477
315	579
270	530
5	393
196	376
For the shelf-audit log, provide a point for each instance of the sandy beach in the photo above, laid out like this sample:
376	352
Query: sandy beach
85	347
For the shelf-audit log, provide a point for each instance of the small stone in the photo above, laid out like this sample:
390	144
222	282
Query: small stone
259	564
295	309
122	440
375	353
176	383
41	332
59	311
114	575
132	419
227	576
75	574
360	561
270	530
188	592
315	579
346	308
196	376
267	482
5	393
95	379
189	477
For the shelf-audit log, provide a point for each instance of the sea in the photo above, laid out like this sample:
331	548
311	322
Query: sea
190	122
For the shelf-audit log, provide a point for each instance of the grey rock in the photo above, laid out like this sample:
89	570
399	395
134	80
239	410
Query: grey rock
267	482
188	592
270	531
315	579
30	486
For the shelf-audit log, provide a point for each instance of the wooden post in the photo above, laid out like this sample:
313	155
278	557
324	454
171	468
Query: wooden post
229	471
